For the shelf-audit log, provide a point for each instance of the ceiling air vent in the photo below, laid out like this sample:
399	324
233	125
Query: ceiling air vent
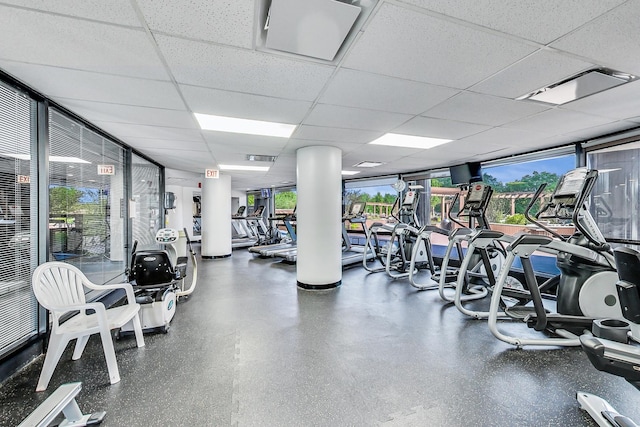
260	158
314	28
579	86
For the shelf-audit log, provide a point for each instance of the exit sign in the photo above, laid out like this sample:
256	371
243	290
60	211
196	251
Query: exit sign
106	170
212	173
23	179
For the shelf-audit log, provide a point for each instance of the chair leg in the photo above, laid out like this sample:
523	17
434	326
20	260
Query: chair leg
110	356
57	344
137	328
80	345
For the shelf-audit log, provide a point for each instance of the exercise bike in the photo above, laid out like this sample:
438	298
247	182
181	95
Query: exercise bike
158	279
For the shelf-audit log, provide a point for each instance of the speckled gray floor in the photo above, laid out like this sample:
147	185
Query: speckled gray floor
250	349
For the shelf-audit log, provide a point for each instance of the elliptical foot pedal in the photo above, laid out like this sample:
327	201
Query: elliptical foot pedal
519	312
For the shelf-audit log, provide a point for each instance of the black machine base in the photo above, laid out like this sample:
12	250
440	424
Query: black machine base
319	287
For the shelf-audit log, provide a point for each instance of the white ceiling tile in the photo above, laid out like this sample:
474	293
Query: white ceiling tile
82	85
618	103
243	105
113	11
401	43
192	161
533	72
41	38
501	136
240	70
220	21
352	88
346	147
321	133
126	130
165	144
483	109
354	118
596	131
377	153
240	140
438	128
99	111
558	122
612	40
542	21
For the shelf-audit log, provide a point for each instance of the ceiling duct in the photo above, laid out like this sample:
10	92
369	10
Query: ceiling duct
314	28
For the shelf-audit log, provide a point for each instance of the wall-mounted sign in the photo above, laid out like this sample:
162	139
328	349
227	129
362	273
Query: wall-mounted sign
106	170
212	173
23	179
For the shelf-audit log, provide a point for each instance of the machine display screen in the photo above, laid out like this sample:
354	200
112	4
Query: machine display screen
571	183
357	208
476	192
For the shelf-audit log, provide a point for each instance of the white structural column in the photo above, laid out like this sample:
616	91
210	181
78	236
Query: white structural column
216	217
319	216
116	222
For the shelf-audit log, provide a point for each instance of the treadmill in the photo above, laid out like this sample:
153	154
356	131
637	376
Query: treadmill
241	235
271	250
352	254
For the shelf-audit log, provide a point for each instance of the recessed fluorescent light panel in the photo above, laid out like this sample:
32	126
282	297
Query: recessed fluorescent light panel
350	172
409	141
243	168
367	164
579	86
251	127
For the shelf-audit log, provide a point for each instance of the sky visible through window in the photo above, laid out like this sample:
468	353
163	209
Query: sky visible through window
507	173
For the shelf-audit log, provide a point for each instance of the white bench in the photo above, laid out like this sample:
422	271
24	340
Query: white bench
63	400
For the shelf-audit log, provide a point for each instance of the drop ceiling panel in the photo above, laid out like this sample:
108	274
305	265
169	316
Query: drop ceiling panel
194	161
240	70
352	88
612	40
323	133
82	85
533	72
99	111
542	21
166	144
243	105
483	109
354	118
42	38
618	103
377	153
485	142
113	11
558	122
401	43
220	21
438	128
595	131
239	140
346	147
126	130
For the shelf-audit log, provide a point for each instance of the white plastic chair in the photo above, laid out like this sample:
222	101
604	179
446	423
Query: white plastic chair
58	287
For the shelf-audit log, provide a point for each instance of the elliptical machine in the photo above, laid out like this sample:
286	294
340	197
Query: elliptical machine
399	254
586	285
158	279
613	347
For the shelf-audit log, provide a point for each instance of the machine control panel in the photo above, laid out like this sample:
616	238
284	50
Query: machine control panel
167	235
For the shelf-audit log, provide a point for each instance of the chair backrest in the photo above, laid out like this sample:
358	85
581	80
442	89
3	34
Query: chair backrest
58	284
152	268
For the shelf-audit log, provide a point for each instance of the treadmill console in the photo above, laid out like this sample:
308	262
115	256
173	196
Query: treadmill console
167	235
409	199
